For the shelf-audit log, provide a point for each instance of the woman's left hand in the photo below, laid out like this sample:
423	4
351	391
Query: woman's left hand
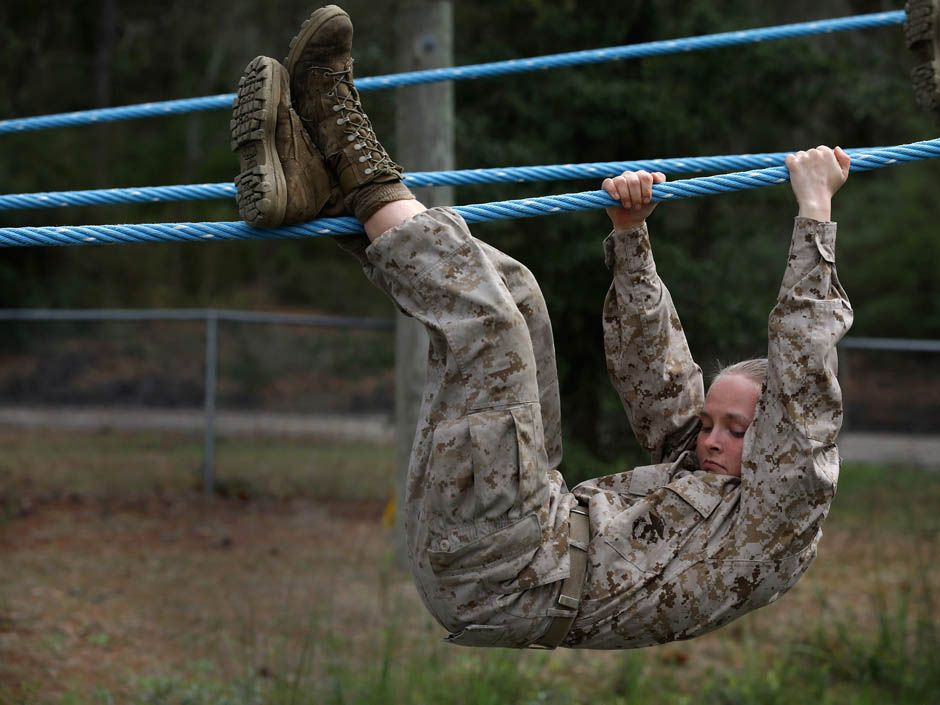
634	191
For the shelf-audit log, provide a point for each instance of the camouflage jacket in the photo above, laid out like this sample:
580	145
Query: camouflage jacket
677	551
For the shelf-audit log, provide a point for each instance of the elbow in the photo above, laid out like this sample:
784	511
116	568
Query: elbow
825	465
813	479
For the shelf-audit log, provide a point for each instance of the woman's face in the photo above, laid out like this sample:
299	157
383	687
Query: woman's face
729	410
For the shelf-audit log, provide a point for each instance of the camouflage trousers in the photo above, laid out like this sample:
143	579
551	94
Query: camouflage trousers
671	553
486	512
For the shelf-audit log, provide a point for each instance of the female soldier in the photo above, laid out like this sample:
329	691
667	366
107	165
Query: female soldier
503	554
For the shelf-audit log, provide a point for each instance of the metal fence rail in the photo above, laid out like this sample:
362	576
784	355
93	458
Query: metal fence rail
891	344
211	317
191	314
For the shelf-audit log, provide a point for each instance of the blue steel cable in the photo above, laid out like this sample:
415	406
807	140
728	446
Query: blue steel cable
459	73
461	177
520	208
108	196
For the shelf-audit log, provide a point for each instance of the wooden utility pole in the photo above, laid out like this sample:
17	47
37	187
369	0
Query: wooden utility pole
424	117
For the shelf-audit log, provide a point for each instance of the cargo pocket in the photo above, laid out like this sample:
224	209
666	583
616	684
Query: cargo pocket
651	532
488	481
510	468
495	556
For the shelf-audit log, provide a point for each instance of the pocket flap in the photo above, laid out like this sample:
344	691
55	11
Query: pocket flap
702	496
647	478
490	551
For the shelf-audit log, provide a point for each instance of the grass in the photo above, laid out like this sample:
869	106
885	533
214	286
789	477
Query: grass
121	585
44	465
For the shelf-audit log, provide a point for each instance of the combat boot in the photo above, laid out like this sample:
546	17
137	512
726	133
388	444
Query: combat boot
320	65
283	178
922	28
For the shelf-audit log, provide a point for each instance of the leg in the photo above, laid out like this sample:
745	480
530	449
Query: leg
320	67
389	216
527	298
486	516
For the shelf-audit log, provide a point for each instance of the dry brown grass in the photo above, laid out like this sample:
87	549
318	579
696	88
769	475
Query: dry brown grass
115	570
95	592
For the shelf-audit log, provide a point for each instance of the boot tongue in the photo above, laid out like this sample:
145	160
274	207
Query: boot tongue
309	186
284	133
344	86
342	112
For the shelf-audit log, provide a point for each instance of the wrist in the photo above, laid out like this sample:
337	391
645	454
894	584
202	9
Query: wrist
629	226
627	250
816	210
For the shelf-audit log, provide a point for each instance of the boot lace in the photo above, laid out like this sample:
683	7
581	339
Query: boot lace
356	124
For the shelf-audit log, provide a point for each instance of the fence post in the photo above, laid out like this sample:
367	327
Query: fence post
212	361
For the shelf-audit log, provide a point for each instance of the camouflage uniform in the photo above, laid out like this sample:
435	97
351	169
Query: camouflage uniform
485	512
674	551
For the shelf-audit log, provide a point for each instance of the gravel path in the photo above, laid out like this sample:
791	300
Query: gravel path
919	451
376	427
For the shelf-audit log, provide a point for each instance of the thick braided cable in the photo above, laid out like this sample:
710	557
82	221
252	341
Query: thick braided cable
496	68
523	208
462	177
110	196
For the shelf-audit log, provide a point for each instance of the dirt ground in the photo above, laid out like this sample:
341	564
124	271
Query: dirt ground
102	588
98	594
95	592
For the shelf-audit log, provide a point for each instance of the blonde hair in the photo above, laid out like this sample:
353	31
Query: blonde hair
754	370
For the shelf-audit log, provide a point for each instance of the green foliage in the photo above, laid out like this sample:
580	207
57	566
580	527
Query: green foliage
842	662
721	257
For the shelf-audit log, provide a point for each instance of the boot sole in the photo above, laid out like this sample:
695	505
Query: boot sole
261	189
310	26
922	30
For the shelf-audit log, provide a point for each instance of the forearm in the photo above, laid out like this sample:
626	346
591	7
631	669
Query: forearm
648	358
810	272
811	316
790	464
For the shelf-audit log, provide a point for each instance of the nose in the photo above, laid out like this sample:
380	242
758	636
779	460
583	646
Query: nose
713	440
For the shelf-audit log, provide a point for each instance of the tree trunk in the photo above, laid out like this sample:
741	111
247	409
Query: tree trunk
424	117
104	50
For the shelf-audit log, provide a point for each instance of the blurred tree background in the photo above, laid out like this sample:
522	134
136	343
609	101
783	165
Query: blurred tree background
722	257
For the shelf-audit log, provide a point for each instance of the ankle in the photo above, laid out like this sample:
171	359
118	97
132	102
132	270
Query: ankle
391	215
365	200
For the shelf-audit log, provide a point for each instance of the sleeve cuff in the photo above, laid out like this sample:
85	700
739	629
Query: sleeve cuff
628	249
820	235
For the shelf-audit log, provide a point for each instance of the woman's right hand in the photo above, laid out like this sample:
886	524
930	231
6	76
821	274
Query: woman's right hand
815	176
634	190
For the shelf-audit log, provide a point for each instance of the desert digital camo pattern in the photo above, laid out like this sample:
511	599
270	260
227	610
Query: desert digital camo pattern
485	512
674	551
